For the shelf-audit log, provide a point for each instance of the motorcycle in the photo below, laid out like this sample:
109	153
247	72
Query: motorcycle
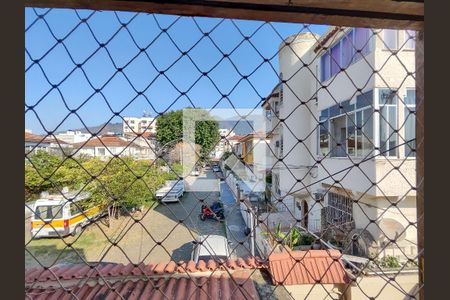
216	212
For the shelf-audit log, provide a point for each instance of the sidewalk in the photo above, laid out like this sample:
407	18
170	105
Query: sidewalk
234	224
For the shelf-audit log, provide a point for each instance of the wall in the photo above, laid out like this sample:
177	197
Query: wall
377	287
317	291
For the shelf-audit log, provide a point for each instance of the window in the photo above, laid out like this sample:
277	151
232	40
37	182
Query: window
323	133
48	212
351	146
390	38
410	39
325	66
352	46
276	184
101	151
339	210
388	122
347	128
338	129
335	59
410	123
347	49
362	37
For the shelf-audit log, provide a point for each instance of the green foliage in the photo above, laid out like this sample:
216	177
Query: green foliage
295	237
39	169
124	183
389	262
169	127
269	178
307	239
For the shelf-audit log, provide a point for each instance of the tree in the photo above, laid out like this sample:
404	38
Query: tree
39	173
169	127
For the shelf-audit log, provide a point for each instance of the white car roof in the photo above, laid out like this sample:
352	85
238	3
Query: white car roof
213	245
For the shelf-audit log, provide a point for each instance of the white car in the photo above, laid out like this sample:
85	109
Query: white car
208	247
195	172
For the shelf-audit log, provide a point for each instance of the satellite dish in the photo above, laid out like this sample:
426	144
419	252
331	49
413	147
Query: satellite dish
392	230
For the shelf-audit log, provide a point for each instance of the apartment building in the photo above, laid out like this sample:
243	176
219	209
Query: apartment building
71	136
347	136
139	125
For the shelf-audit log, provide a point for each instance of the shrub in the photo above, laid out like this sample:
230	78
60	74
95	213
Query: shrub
389	262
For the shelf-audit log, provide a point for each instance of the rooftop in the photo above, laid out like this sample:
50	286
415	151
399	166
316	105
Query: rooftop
307	267
105	141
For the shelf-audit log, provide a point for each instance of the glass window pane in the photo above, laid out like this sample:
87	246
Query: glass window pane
387	96
335	110
347	49
410	131
338	130
359	134
367	132
351	122
325	66
390	38
383	130
365	99
323	142
392	135
410	98
362	37
410	39
335	59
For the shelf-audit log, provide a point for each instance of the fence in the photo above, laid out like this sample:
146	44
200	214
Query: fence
339	101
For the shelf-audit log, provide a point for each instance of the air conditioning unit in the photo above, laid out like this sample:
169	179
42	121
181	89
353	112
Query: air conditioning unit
319	196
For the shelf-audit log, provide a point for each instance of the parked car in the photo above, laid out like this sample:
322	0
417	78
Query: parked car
216	169
208	247
195	172
171	192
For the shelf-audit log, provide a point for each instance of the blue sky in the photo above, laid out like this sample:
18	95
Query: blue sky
77	92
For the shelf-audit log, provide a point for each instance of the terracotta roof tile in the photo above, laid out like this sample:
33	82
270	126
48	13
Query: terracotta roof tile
105	141
29	137
307	267
79	271
213	287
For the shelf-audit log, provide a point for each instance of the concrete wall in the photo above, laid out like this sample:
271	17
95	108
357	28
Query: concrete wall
317	291
377	287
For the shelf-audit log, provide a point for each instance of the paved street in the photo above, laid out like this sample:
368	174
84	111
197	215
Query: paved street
159	236
235	225
162	225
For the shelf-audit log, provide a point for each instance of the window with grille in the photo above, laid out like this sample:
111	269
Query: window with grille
339	209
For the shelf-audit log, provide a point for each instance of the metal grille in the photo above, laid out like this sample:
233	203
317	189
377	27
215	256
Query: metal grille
338	168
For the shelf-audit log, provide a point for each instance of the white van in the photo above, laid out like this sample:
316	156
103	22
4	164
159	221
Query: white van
54	215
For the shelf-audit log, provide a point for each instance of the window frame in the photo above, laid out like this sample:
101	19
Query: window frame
353	57
397	42
326	123
380	120
407	107
407	38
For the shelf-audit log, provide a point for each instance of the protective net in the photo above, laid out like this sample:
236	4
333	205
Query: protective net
187	157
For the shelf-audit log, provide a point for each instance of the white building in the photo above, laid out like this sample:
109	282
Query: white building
224	144
35	142
107	146
355	172
73	137
139	125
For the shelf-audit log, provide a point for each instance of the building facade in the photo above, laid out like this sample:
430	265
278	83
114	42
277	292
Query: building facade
350	134
139	125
